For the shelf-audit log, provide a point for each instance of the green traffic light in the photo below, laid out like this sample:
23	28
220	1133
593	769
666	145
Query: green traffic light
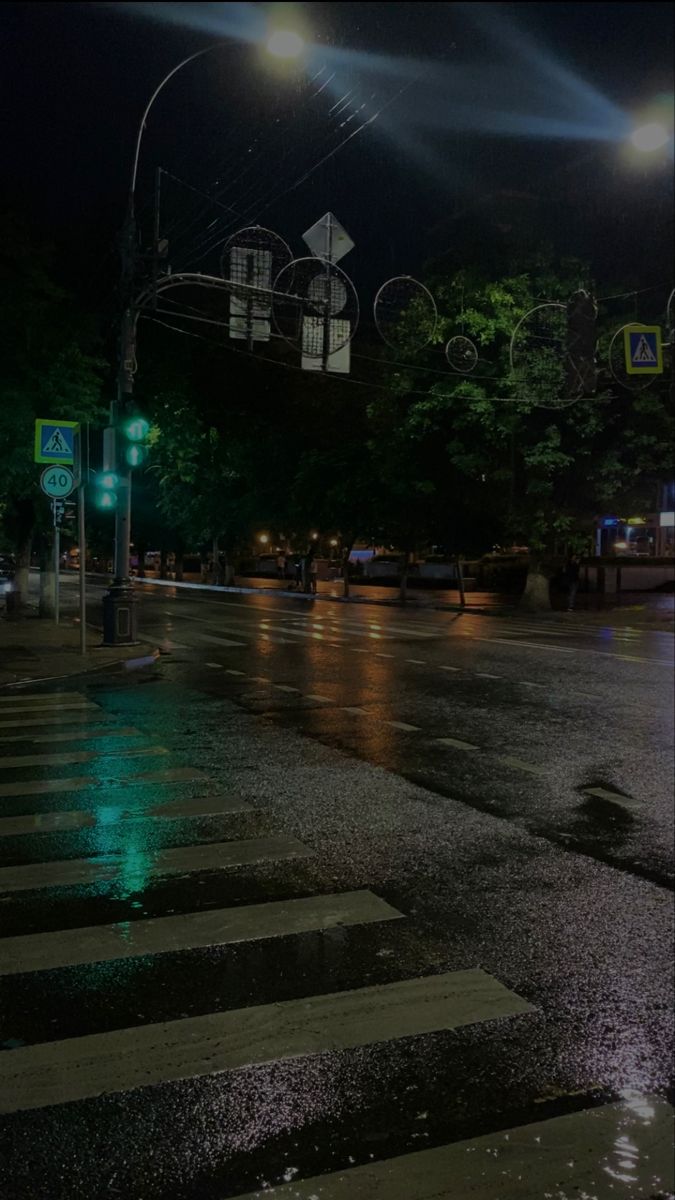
137	429
107	500
108	480
135	455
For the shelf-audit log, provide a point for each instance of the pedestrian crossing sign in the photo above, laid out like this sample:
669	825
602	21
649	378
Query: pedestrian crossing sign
643	351
55	441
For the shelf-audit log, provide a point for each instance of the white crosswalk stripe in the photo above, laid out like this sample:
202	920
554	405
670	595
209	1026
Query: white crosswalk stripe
98	1064
589	1153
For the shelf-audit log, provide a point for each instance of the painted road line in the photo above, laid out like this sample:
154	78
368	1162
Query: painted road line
485	675
520	765
58	822
359	650
420	662
661	662
41	697
259	679
590	1153
285	687
68	706
381	654
404	726
75	756
179	860
601	793
355	712
73	735
189	931
69	718
527	683
456	743
38	787
104	1063
231	671
319	699
442	668
218	666
219	641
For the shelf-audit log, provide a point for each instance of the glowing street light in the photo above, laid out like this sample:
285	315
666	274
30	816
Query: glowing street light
285	43
652	136
263	538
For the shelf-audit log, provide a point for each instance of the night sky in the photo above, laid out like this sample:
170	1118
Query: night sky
506	114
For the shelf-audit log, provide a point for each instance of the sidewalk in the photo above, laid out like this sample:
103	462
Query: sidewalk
34	649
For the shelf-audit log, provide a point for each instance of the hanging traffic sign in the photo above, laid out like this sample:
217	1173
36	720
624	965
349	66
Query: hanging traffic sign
55	441
57	482
642	350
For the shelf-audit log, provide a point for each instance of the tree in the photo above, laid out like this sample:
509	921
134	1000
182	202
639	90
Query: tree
49	369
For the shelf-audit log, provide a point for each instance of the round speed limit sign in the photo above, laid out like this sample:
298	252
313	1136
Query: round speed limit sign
57	482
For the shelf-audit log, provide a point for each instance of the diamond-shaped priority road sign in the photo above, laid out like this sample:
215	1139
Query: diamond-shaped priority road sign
642	350
328	239
55	441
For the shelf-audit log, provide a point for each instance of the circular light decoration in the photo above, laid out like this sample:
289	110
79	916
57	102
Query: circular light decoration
461	354
538	352
250	262
405	313
616	360
315	306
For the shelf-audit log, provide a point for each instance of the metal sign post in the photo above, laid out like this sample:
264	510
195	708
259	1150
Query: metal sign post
83	554
57	558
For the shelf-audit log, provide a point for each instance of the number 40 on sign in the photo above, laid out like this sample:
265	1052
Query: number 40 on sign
57	482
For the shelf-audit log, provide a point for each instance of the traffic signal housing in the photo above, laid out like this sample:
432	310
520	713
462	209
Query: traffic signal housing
133	441
106	490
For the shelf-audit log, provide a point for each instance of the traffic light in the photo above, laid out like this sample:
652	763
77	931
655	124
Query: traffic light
106	490
133	439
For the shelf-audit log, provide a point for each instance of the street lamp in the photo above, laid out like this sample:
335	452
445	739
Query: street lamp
119	621
654	135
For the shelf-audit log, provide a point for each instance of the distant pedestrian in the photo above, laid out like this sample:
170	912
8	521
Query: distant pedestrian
281	566
298	573
313	575
572	572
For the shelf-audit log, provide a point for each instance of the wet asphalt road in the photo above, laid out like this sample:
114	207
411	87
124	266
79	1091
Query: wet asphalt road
502	789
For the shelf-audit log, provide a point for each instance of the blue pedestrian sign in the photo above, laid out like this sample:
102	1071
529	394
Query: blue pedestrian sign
642	349
55	441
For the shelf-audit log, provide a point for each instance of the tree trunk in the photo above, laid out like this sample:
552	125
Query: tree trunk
178	566
17	599
226	570
162	563
141	561
346	551
537	594
47	602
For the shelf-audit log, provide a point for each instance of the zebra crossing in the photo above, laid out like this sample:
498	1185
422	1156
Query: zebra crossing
572	1153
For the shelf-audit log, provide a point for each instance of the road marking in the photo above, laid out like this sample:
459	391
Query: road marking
219	641
442	668
259	679
520	765
73	735
69	706
355	712
613	797
78	783
17	761
231	671
359	650
211	856
39	698
526	683
456	744
381	654
404	726
218	666
285	687
484	675
319	699
57	822
420	662
579	1154
104	1063
662	662
69	718
216	927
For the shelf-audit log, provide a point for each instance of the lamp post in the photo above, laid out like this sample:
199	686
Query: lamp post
119	612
